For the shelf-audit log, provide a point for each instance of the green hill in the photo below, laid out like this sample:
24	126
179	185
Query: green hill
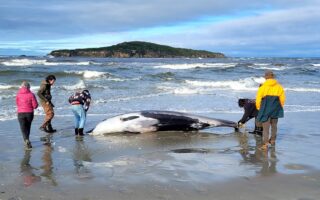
137	49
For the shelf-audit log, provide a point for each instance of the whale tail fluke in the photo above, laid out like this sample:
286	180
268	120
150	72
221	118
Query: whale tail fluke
90	131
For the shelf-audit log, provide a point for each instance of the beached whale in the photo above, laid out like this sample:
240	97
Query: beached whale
153	120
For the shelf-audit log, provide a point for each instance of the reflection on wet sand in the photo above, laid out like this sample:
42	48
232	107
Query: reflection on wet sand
251	154
47	166
29	177
81	153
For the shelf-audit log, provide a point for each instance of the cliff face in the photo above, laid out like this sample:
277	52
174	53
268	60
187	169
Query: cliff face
137	50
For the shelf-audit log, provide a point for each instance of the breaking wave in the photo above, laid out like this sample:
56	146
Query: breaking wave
89	74
197	65
29	62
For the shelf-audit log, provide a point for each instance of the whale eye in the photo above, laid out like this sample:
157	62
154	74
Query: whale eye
129	118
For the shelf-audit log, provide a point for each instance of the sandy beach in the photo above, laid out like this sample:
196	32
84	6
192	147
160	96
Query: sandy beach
218	164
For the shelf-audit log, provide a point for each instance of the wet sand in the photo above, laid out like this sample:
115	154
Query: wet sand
216	164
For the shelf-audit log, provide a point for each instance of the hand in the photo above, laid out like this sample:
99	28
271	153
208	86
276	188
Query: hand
240	125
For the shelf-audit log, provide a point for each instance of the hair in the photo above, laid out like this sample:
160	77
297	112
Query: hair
269	74
50	78
25	84
241	102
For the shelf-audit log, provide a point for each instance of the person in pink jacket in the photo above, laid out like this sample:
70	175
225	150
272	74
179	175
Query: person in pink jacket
26	103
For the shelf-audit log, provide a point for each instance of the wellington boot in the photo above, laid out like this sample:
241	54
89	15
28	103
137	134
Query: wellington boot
76	131
80	131
50	129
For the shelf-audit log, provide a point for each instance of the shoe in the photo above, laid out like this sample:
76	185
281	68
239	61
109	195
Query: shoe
28	145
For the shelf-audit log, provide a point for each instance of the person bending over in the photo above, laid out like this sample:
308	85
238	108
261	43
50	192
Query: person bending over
250	111
80	102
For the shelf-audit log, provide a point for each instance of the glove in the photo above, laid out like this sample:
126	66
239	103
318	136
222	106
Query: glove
240	125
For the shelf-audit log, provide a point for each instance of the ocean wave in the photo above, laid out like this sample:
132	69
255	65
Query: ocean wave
248	84
268	67
98	101
316	65
8	87
303	89
16	87
301	108
7	96
80	85
89	74
29	62
197	65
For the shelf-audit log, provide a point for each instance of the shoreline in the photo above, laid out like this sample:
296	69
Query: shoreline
278	186
217	164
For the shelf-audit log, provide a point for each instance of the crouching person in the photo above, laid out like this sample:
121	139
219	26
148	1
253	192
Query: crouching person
250	111
80	102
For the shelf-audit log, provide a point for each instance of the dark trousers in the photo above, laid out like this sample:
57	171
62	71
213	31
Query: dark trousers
25	120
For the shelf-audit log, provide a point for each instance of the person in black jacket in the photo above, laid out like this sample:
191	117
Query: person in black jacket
250	111
80	102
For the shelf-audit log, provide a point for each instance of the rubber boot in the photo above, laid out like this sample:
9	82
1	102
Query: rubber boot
258	131
50	129
80	131
76	131
44	128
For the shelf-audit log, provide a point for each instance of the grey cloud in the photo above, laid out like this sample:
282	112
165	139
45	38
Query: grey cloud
36	19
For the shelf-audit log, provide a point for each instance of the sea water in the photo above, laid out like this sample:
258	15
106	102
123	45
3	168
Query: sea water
208	87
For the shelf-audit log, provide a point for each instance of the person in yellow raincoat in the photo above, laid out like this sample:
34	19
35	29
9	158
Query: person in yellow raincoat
270	100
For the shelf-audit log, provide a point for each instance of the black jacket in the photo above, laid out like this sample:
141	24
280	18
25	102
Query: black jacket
250	110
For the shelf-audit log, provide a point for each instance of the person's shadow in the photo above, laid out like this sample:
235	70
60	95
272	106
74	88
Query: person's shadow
29	177
81	154
47	167
251	154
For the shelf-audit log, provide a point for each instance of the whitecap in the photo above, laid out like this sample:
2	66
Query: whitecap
301	108
197	65
7	87
268	67
316	65
80	85
88	74
23	62
303	89
249	84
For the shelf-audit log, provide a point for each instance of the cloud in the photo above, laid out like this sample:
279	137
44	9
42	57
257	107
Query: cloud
227	25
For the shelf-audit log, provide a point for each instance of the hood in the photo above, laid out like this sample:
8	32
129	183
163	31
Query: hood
24	90
44	82
270	82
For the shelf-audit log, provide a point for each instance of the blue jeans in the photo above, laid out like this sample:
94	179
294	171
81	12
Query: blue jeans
80	116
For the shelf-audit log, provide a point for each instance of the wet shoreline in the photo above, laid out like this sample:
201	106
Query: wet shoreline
213	164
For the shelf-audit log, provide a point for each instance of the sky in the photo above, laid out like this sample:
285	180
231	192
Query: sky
237	28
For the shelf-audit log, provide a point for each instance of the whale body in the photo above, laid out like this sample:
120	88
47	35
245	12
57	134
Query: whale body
153	120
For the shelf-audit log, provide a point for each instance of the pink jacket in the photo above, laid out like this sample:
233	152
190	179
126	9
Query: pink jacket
26	101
